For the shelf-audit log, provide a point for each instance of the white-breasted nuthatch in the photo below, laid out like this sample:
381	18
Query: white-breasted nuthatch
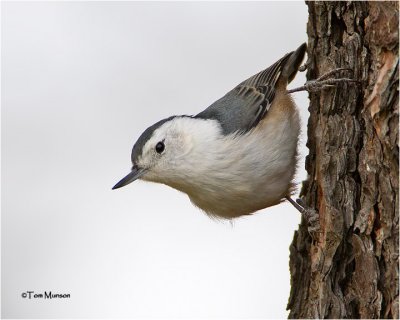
237	156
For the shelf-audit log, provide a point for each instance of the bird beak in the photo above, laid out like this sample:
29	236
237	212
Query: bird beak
136	173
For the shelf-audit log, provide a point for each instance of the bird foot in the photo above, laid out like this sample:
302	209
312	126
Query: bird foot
325	81
309	214
303	67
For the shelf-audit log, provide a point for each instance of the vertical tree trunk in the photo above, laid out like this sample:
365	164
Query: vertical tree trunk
350	269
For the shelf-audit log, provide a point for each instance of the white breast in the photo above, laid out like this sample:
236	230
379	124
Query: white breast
235	175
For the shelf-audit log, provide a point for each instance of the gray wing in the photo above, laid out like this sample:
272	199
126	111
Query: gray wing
239	110
242	108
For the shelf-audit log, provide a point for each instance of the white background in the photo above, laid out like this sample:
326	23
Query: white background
80	82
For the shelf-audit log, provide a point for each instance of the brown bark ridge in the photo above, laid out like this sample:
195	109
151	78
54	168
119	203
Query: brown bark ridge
350	269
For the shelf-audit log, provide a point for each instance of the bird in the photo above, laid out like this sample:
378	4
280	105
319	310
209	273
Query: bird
236	157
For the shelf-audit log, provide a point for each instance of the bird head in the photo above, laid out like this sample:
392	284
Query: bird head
163	153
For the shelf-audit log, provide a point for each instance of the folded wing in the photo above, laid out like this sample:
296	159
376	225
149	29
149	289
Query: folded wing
242	108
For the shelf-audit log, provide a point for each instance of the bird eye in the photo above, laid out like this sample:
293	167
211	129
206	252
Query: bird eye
160	147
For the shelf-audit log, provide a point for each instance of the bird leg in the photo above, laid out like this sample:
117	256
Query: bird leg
324	81
309	214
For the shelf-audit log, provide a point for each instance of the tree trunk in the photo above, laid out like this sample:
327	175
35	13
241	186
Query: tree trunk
350	269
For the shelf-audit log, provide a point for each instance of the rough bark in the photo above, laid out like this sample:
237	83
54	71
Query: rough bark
350	269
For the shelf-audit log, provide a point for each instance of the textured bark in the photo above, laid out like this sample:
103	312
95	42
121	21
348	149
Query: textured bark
350	269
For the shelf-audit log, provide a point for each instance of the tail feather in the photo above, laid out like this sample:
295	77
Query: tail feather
293	63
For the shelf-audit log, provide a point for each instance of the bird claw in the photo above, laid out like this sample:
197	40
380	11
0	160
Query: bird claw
303	67
318	85
311	216
325	81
